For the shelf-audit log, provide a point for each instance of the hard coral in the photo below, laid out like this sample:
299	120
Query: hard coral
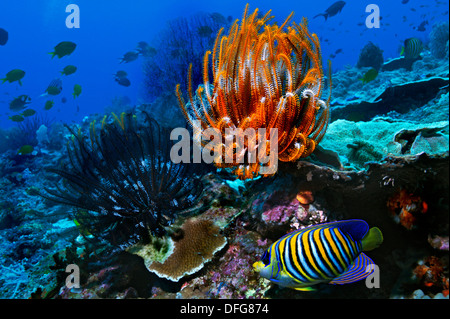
433	272
362	152
438	242
235	278
275	208
195	244
407	208
270	79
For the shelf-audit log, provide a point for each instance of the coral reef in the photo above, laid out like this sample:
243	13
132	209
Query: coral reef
193	244
400	98
407	208
264	209
13	276
165	110
362	152
399	63
360	142
382	120
384	159
123	182
25	132
426	82
439	40
432	273
370	56
278	86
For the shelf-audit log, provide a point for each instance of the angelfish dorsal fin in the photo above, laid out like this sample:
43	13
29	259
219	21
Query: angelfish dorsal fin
356	228
356	272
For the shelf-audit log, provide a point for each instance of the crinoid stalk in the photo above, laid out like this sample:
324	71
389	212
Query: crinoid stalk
264	76
123	182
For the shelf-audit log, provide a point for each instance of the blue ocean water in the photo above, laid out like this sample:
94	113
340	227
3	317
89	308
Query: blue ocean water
110	28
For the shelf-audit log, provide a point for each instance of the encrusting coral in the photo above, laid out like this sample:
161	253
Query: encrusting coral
194	244
432	272
407	208
264	77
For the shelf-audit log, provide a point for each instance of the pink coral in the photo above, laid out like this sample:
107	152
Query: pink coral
279	209
236	272
279	214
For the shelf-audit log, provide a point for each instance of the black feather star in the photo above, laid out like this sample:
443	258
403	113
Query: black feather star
123	182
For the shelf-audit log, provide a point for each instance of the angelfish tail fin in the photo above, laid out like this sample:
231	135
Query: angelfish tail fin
372	240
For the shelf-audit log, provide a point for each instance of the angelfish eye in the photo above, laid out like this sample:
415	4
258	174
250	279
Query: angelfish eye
266	258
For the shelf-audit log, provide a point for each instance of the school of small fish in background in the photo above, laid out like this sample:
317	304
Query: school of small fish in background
55	87
20	103
411	49
411	46
142	49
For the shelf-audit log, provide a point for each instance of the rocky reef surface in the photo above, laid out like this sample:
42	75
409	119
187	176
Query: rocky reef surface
384	159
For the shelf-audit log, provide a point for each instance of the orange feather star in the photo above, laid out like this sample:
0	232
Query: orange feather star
264	76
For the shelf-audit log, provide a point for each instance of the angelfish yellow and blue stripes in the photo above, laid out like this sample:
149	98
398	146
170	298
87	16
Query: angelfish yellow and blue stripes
317	253
330	252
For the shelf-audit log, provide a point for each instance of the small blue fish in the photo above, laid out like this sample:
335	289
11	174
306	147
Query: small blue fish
325	253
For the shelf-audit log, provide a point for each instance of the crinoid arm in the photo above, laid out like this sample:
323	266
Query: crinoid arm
122	181
264	76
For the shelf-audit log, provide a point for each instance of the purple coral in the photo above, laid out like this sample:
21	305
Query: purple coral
279	209
439	242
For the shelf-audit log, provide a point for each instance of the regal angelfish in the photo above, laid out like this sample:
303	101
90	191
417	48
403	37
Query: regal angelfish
325	253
